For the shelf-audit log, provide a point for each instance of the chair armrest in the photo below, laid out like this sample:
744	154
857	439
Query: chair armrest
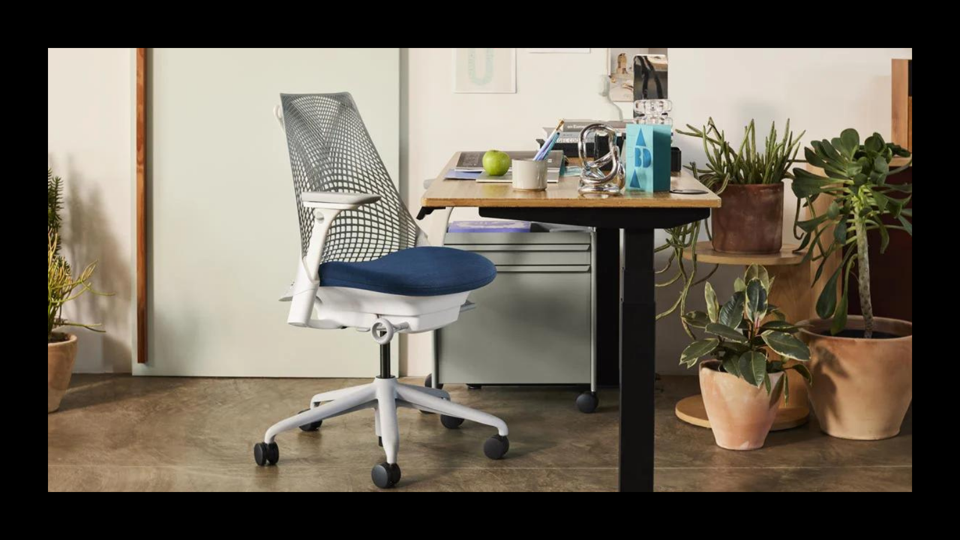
326	207
336	201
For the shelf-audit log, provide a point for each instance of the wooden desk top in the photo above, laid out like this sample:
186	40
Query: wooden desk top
468	193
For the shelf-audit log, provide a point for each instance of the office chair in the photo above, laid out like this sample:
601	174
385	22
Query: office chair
365	264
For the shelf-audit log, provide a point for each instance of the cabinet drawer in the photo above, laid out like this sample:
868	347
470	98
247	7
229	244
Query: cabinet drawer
529	327
537	258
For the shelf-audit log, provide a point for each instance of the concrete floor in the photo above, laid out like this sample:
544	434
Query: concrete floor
120	433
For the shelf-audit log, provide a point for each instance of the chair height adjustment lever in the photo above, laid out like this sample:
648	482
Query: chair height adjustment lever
383	330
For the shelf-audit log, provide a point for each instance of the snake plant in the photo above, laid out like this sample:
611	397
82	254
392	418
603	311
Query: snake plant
855	176
745	328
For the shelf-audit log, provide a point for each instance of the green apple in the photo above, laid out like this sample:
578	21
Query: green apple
496	163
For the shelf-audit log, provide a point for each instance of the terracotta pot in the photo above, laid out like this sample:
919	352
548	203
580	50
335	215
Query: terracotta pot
740	415
862	388
60	359
749	220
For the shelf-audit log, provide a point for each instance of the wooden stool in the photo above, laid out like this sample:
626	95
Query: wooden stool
791	293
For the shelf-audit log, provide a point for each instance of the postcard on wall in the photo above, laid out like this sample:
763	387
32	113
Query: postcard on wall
485	71
620	68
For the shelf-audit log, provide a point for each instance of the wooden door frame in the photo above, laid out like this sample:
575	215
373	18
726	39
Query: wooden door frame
141	203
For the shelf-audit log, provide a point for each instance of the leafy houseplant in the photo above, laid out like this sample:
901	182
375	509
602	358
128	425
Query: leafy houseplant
744	330
866	362
749	180
62	287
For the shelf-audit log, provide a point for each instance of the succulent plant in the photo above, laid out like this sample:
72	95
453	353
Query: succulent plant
855	175
745	165
744	330
724	166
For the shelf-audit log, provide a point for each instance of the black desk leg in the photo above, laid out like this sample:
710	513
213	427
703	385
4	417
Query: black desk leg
637	362
607	275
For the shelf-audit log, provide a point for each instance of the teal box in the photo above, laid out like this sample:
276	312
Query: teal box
646	152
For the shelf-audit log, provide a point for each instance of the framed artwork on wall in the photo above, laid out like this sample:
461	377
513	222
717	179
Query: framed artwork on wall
484	71
621	64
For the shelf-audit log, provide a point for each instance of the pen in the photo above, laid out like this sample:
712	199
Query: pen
547	146
549	142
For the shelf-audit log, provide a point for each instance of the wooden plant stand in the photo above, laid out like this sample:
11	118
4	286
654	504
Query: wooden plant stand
792	294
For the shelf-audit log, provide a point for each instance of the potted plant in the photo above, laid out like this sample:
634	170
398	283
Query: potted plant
750	185
741	386
862	365
62	287
750	219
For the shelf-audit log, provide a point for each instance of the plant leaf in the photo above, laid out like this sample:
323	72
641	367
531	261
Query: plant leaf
804	372
811	225
827	303
732	365
833	211
713	307
908	227
884	237
732	312
726	332
807	184
698	349
786	345
813	158
756	303
840	316
739	285
849	142
779	326
697	319
840	233
753	367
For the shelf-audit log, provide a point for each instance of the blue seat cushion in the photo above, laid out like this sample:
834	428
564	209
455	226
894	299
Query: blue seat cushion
422	271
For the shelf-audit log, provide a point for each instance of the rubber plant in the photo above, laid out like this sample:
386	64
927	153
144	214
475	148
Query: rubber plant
746	165
855	176
744	330
62	285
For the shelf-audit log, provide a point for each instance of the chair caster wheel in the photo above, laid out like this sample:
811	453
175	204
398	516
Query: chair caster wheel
428	382
496	447
450	422
385	476
266	453
313	426
588	402
474	387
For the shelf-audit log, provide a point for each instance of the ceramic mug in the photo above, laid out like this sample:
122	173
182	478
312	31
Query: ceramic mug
529	175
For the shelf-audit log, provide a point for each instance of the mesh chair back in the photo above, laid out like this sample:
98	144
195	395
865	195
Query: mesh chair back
331	150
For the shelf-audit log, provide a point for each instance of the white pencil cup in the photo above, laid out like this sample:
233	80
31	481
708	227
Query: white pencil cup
529	175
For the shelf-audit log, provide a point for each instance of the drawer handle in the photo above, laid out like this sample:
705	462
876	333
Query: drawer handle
566	269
